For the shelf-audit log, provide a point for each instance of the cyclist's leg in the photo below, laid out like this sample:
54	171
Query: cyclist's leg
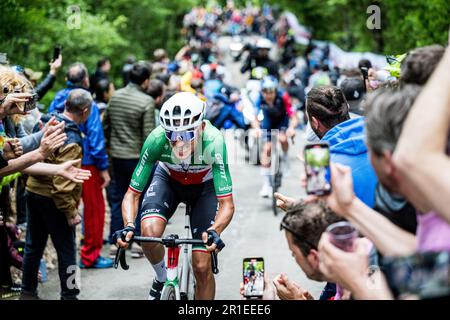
158	205
282	137
203	213
266	152
266	126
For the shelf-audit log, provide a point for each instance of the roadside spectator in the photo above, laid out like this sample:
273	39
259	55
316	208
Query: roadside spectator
303	226
422	153
101	73
45	85
160	61
52	136
328	113
420	63
259	57
8	257
27	123
160	55
156	89
353	89
126	69
103	93
53	204
351	270
95	160
129	119
387	110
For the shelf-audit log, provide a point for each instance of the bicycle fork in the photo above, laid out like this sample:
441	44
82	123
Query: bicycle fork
186	265
172	269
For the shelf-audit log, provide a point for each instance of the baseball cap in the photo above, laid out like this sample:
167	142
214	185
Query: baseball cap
353	90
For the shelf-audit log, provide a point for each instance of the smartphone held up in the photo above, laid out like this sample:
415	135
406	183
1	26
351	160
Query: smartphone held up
317	168
56	52
253	274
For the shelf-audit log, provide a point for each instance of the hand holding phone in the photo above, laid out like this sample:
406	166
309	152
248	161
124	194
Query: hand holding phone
56	52
317	168
253	276
365	73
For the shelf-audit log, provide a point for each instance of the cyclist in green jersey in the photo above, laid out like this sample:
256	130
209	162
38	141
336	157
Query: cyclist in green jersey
191	166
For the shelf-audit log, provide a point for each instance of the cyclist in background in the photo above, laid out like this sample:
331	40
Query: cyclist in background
275	107
192	167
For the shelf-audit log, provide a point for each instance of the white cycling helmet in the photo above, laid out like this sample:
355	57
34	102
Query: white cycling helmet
264	43
183	111
269	82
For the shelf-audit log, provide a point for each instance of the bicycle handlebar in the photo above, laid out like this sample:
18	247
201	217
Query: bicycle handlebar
169	241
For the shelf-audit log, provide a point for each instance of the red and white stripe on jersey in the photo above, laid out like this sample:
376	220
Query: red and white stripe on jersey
222	196
194	175
134	190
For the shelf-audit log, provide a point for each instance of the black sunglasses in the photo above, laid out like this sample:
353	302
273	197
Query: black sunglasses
391	59
284	225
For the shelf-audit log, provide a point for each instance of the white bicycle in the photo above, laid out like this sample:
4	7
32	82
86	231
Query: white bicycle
180	283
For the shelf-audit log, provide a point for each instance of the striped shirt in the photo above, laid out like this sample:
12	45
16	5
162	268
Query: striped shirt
129	119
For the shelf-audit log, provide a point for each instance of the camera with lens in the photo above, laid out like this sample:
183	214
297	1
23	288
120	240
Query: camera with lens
31	103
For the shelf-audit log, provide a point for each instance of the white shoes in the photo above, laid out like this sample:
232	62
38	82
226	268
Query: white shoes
266	191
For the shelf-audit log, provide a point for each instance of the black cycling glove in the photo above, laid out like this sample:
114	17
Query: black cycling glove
121	234
213	237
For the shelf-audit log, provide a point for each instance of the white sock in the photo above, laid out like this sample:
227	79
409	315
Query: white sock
285	156
161	271
265	172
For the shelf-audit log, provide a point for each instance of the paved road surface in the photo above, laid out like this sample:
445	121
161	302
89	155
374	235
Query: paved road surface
254	231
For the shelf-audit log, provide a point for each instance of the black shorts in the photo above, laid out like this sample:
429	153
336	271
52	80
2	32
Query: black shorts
269	125
164	194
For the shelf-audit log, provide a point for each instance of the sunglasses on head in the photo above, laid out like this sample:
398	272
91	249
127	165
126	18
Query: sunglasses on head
284	225
184	136
391	59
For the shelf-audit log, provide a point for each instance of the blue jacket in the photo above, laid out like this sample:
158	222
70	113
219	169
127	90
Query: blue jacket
94	152
71	129
347	147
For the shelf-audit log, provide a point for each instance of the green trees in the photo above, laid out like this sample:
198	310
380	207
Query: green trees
92	29
404	24
30	29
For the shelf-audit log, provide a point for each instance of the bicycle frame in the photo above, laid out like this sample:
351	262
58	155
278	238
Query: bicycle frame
186	254
173	274
172	271
174	245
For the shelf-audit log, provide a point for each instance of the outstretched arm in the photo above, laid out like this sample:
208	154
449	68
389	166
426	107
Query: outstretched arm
420	154
382	232
68	170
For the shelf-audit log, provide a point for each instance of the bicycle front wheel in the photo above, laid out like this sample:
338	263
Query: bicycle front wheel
274	203
169	293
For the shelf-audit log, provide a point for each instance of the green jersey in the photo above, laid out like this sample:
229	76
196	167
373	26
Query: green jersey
209	161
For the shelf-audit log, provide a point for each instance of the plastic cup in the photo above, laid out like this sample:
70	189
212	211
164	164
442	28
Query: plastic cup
342	235
43	270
